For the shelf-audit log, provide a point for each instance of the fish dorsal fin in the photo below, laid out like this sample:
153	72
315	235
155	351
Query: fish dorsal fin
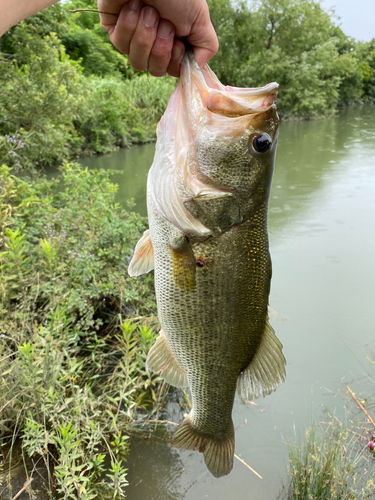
266	370
161	359
143	258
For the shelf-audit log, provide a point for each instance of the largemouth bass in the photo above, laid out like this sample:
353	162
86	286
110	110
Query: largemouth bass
207	200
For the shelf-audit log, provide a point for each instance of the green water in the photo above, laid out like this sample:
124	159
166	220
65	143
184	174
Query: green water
322	238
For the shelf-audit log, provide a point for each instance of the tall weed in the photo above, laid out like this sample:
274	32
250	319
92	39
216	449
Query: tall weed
333	462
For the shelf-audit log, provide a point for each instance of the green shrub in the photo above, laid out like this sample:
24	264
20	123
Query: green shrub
66	243
51	111
117	113
74	328
38	102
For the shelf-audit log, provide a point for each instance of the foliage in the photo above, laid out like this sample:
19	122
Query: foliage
50	111
68	246
293	42
72	404
118	113
366	55
82	35
37	103
72	356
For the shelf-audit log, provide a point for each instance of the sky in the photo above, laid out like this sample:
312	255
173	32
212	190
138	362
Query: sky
357	17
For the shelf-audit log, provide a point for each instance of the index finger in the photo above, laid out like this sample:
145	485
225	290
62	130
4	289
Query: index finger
111	9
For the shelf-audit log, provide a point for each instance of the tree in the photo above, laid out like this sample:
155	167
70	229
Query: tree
293	42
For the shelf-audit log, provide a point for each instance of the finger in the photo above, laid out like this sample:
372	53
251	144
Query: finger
143	38
178	52
162	49
203	38
114	7
123	31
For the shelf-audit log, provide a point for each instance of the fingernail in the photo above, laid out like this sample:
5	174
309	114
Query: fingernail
165	29
150	17
177	52
134	4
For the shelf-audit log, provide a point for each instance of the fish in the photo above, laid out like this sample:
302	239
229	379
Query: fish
207	200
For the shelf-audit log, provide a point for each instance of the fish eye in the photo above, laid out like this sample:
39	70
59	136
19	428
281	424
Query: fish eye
201	262
260	143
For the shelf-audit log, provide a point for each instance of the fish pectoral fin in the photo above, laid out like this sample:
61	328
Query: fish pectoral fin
217	210
209	193
218	453
161	359
143	258
266	370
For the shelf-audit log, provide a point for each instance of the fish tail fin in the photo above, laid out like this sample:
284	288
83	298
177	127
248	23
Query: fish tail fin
218	453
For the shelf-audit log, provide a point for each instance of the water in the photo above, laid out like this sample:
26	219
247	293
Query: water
321	223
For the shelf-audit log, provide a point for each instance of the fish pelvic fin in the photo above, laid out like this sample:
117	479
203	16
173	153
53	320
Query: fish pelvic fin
218	452
143	258
266	370
161	359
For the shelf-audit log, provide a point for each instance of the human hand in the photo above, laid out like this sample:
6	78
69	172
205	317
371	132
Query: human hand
150	32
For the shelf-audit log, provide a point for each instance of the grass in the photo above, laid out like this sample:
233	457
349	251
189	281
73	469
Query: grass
334	461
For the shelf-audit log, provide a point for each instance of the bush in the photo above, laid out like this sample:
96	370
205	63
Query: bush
66	244
74	328
118	113
51	111
38	102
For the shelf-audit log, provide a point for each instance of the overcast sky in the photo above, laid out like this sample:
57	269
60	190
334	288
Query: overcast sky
357	17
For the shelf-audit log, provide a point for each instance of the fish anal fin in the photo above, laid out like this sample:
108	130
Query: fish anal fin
143	258
266	370
218	453
161	359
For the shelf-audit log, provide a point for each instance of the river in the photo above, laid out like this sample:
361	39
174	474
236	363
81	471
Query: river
322	241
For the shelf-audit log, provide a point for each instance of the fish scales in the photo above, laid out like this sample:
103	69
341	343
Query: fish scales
208	193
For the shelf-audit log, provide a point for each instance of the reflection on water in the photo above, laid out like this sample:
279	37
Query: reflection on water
322	221
159	463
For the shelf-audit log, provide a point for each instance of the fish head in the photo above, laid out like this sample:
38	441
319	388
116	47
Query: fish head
218	151
235	133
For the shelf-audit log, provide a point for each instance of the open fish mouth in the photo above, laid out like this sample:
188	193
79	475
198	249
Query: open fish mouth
222	99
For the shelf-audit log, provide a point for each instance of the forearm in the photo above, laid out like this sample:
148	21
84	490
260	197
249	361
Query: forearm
14	11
